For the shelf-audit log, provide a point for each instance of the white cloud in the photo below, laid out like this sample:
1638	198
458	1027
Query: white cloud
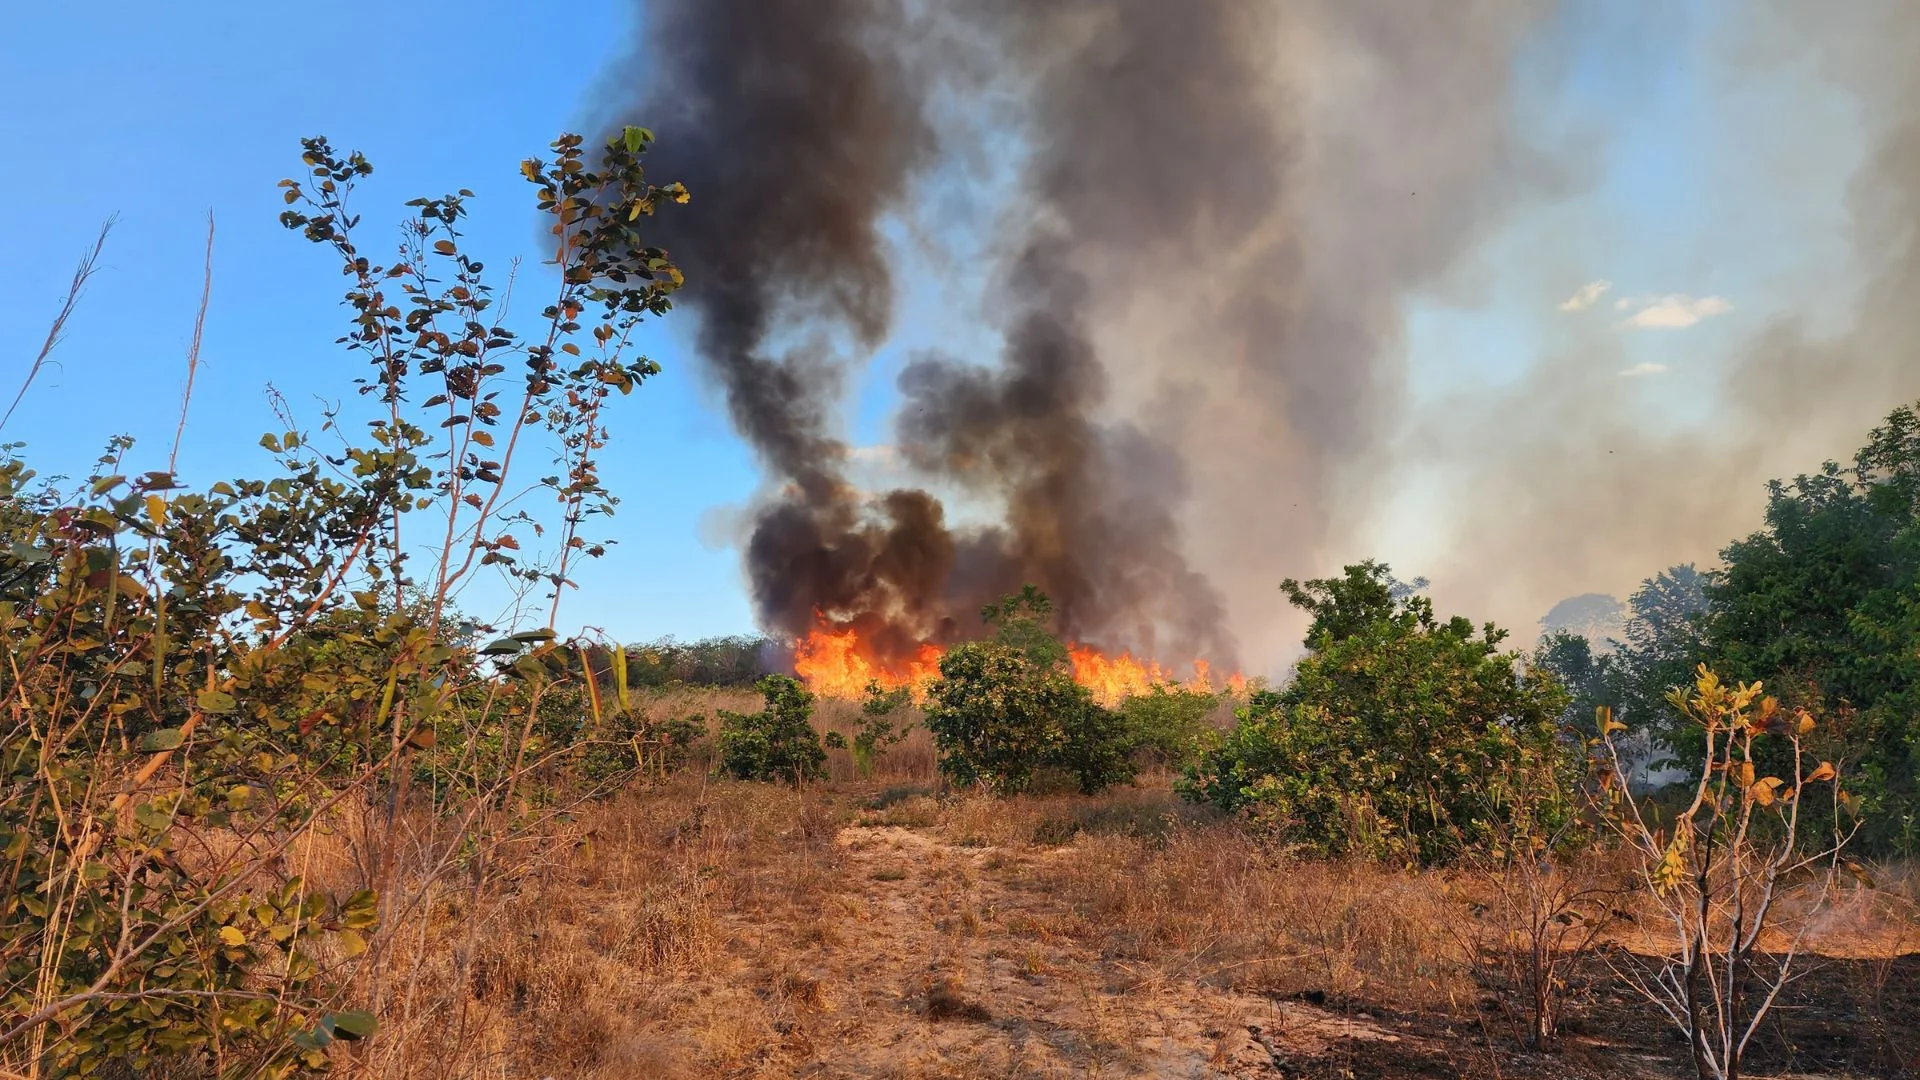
881	455
1675	311
1583	297
1644	368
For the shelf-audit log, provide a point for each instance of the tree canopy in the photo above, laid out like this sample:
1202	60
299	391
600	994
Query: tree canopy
1823	604
1008	706
1401	734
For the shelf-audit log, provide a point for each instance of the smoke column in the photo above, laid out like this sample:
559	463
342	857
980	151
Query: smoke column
1169	161
799	132
1221	210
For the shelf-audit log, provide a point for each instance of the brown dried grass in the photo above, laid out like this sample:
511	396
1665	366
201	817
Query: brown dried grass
612	957
1210	904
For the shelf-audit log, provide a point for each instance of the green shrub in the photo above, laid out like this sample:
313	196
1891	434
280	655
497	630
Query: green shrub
634	742
1098	749
718	661
1395	736
199	678
1002	709
1166	726
875	730
776	743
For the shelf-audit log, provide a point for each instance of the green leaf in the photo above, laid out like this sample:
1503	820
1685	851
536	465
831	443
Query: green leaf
530	636
361	911
501	647
29	554
353	1025
215	701
154	742
152	817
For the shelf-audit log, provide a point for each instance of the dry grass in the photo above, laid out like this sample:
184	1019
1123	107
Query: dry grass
613	957
889	930
1211	905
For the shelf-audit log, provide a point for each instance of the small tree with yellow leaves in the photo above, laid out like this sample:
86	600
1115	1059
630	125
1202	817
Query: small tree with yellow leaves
1727	868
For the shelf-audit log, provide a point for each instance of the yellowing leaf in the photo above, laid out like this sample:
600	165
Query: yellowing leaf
1672	868
1804	724
351	943
231	935
156	510
1824	772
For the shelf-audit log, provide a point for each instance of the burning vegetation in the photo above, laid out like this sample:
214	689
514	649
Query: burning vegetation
838	663
271	806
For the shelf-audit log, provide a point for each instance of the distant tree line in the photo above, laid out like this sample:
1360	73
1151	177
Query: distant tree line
739	660
1821	604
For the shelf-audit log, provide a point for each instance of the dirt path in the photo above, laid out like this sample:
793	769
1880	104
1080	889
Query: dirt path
949	961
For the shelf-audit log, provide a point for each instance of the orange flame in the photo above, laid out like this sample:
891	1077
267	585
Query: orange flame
1116	678
838	664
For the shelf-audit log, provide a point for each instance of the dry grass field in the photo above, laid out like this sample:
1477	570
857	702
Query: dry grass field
884	928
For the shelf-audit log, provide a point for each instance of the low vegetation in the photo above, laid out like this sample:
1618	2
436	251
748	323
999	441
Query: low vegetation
776	743
1400	736
1007	707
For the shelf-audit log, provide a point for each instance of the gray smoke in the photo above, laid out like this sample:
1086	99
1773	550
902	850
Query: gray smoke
1221	211
1177	161
1573	485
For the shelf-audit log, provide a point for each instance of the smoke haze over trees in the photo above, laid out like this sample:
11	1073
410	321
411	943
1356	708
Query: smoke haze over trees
1206	224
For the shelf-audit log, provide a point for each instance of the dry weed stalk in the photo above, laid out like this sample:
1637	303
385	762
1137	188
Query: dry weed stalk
1721	873
82	273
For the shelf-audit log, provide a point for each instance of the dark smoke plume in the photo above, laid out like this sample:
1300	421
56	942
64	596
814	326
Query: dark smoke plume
1149	123
1172	163
1219	213
799	130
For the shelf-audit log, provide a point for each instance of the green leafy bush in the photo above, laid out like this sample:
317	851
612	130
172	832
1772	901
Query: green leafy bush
1823	603
875	729
1166	726
1004	708
1394	737
776	743
199	679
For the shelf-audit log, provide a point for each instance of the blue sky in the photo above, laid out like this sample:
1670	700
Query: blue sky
159	114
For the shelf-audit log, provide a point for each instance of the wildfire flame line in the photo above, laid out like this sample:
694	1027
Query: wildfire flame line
837	664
